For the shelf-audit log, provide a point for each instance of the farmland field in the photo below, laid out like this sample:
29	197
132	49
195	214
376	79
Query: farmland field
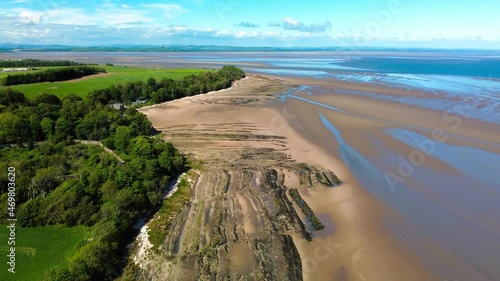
115	75
38	250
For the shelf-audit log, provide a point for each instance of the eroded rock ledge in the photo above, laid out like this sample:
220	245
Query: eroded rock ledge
241	219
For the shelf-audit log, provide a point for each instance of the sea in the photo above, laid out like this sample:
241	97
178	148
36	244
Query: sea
460	207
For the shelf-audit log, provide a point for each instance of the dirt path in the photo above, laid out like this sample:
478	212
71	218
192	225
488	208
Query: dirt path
118	158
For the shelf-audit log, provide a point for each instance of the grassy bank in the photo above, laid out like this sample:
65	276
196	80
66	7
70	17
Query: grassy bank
170	208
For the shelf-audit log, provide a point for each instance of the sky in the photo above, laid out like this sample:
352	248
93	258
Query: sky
280	23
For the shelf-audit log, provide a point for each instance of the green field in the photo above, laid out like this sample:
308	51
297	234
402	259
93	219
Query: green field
115	75
38	250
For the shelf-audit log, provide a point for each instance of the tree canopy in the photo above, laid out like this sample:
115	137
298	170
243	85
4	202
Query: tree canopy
61	182
50	75
38	63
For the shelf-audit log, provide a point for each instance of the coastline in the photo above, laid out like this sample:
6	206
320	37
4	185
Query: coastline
359	241
352	217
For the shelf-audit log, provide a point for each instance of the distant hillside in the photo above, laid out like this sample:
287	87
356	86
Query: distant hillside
194	48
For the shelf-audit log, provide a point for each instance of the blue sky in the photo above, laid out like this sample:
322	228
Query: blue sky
354	23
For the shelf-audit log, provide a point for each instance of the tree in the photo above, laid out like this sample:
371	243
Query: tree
51	75
108	189
63	129
45	181
142	147
73	108
10	126
48	99
49	110
9	97
35	127
84	129
123	136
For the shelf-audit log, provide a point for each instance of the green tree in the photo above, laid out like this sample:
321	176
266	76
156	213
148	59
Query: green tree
45	181
35	127
48	99
123	136
142	147
10	125
63	129
9	97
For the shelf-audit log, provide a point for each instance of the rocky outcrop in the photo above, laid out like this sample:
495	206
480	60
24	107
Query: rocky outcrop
240	221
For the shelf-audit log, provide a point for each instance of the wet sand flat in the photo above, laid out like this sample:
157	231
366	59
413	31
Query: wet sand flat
360	242
436	200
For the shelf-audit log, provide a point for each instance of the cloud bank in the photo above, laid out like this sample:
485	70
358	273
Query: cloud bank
292	24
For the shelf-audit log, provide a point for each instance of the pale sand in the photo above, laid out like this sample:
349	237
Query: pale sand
356	244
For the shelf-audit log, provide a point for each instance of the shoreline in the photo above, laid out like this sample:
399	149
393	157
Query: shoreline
357	242
400	238
274	121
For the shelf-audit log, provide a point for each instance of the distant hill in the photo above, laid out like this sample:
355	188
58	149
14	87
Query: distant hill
192	48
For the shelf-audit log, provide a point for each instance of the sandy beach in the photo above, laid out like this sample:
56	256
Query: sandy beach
364	238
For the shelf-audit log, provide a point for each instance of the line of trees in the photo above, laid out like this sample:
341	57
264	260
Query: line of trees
50	75
168	89
38	63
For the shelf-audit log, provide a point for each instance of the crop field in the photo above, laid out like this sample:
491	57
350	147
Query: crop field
38	250
115	75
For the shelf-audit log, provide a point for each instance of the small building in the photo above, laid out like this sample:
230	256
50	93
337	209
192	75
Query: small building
15	69
138	102
118	106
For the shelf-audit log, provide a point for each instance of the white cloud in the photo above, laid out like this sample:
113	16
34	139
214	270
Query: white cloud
169	10
247	25
74	16
25	16
292	24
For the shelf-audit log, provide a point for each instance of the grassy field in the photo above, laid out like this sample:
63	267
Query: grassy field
38	250
115	75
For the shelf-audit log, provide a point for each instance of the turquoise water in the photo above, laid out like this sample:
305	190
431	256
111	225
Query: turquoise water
448	64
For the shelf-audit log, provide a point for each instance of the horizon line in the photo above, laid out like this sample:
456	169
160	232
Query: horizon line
350	48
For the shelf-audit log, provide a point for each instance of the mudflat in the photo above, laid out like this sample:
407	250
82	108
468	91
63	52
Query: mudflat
242	222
